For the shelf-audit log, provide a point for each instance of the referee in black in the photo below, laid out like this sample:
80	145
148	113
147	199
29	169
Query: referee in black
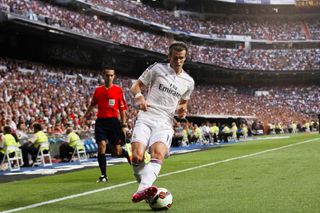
109	130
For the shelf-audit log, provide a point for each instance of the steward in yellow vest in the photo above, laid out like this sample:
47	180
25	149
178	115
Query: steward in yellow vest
7	140
214	131
67	148
225	133
33	145
234	131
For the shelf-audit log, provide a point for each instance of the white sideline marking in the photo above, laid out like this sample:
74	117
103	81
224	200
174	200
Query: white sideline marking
240	157
272	137
163	175
184	151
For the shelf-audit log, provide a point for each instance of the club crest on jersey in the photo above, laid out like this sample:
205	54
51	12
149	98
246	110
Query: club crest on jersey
112	102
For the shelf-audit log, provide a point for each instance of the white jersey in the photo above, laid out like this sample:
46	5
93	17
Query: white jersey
166	88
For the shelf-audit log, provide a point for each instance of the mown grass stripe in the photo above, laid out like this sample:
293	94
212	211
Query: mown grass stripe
163	175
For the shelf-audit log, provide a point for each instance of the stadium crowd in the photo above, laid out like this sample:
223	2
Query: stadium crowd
93	26
57	98
268	29
314	28
278	105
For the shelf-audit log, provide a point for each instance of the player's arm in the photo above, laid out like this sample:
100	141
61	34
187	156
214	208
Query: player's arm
182	105
90	107
88	111
33	139
182	108
139	99
123	118
123	111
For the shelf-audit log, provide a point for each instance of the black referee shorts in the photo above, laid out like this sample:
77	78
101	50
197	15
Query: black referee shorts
109	129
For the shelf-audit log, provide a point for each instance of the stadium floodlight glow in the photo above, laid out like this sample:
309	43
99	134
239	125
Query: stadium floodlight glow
264	2
54	31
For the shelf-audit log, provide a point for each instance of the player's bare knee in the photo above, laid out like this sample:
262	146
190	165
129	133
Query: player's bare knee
137	158
157	155
102	148
158	151
137	153
117	151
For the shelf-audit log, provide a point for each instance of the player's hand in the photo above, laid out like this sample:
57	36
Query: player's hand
124	131
124	134
181	111
141	103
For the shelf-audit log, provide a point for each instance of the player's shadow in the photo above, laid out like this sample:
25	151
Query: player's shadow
131	208
108	206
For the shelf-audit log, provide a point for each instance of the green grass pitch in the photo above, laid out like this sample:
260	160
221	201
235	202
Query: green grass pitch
280	175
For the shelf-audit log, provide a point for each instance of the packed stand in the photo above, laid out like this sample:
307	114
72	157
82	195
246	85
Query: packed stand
284	59
258	29
314	28
278	105
272	60
57	97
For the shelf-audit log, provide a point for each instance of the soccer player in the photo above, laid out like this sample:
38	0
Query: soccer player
169	89
108	129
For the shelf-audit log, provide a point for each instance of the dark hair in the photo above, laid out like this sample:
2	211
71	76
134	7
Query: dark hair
19	125
7	130
178	46
108	68
37	127
68	131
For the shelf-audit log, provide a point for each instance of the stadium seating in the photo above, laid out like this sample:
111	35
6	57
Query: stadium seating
79	153
233	58
44	155
13	157
281	105
91	147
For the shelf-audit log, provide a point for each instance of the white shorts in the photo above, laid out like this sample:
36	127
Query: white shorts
150	131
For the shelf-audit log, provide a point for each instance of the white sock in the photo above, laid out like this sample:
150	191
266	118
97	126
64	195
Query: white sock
137	168
149	173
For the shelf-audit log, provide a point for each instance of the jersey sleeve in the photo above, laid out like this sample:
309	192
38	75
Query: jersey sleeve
148	75
187	94
122	101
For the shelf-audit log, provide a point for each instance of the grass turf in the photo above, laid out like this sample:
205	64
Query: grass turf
281	180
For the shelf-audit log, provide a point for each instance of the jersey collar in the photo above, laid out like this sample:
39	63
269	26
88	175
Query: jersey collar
173	71
109	87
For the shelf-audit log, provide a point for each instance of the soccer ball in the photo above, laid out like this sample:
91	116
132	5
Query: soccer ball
162	200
